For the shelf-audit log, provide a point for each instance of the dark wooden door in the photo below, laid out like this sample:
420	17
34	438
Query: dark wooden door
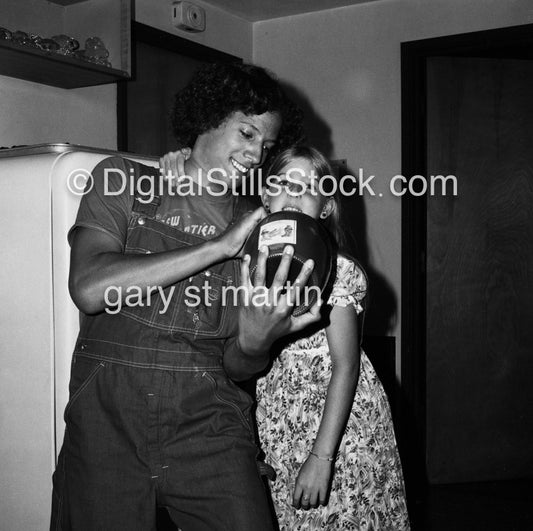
479	357
160	73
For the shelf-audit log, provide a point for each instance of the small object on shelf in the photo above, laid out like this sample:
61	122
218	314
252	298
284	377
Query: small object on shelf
35	40
21	37
95	52
5	34
67	45
48	45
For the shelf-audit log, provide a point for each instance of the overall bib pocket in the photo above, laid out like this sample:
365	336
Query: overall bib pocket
196	305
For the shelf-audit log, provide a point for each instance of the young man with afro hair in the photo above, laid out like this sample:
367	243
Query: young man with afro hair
154	417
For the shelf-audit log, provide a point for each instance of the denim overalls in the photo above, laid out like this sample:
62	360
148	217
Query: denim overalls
152	418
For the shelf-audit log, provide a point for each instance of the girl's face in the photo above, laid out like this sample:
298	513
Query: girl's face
295	188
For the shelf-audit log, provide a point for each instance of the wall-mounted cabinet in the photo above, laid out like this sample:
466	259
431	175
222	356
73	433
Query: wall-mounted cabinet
109	20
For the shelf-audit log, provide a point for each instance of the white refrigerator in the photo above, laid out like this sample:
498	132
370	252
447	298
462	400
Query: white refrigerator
41	188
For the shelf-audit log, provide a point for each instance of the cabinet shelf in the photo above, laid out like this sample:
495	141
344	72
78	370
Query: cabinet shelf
53	69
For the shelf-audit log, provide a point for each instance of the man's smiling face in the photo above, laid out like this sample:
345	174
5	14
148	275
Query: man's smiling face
236	145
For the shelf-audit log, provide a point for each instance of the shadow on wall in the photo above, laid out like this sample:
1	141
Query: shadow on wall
317	131
382	304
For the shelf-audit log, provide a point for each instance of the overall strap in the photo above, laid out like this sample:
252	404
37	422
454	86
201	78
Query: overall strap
147	193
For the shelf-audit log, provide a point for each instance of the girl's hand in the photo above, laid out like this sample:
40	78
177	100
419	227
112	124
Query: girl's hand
172	165
312	483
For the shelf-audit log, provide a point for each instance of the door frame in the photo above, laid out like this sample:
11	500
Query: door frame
166	41
514	42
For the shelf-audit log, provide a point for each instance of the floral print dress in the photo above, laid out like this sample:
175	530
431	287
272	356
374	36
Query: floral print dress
367	490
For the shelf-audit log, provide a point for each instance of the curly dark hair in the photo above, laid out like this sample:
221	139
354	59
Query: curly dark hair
219	89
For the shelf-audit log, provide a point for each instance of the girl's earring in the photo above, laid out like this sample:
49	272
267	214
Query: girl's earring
267	207
323	214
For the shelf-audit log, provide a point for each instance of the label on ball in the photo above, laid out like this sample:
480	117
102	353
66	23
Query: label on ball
282	231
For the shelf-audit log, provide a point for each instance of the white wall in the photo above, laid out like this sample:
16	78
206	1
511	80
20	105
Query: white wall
31	113
347	61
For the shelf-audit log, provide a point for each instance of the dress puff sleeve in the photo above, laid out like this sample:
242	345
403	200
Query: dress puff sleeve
350	285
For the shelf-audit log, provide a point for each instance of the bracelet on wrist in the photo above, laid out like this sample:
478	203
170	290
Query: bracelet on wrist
322	457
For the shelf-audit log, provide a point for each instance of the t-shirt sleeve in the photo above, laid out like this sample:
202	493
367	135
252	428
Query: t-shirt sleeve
350	285
107	202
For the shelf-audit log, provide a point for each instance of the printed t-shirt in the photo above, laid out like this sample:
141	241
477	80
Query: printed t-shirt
108	202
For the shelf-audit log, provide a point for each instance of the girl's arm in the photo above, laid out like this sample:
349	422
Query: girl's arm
315	474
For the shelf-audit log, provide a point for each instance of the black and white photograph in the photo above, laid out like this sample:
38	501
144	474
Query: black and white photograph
267	265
